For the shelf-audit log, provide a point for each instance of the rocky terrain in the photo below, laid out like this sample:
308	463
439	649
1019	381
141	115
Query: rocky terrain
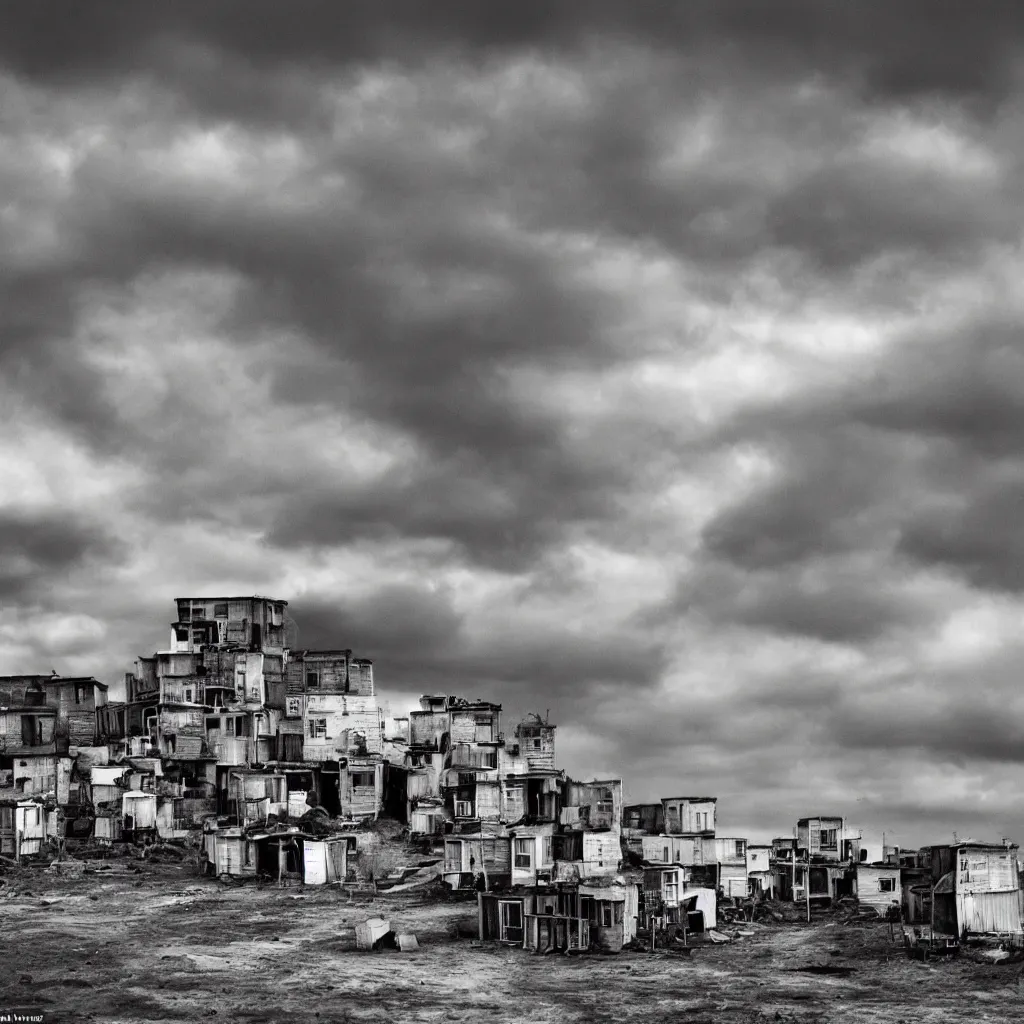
155	942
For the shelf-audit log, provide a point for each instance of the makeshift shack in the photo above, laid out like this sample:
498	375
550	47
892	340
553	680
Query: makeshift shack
878	886
138	812
612	911
326	860
698	909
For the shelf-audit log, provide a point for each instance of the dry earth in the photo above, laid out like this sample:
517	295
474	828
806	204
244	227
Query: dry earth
165	945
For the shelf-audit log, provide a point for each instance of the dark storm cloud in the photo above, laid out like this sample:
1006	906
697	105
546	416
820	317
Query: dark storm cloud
898	48
38	549
959	731
829	475
963	385
439	237
825	600
918	458
421	643
422	623
978	536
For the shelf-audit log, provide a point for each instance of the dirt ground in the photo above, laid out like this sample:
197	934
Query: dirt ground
166	945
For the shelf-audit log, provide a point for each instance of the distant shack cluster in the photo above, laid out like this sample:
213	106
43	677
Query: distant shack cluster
277	761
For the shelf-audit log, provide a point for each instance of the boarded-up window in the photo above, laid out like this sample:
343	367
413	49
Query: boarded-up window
513	802
220	611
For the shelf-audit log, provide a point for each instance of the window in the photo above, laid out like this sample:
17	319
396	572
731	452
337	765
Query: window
740	848
318	728
887	885
312	680
198	636
524	854
665	858
240	726
199	614
588	909
184	614
247	854
828	839
536	744
510	928
463	809
220	611
190	695
31	730
605	808
670	887
212	723
362	779
545	850
607	915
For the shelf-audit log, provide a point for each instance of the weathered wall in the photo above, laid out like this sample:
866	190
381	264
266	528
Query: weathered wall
599	801
601	853
426	728
474	725
29	776
649	818
361	798
488	801
808	835
986	870
684	815
536	743
344	716
182	732
869	882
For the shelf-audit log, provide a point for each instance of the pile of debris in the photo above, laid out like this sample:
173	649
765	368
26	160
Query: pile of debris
376	934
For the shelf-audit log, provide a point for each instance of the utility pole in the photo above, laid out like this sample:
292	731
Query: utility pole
807	886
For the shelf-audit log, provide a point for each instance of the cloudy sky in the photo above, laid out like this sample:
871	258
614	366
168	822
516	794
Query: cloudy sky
663	370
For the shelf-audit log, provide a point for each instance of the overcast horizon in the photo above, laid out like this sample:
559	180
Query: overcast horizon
656	365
